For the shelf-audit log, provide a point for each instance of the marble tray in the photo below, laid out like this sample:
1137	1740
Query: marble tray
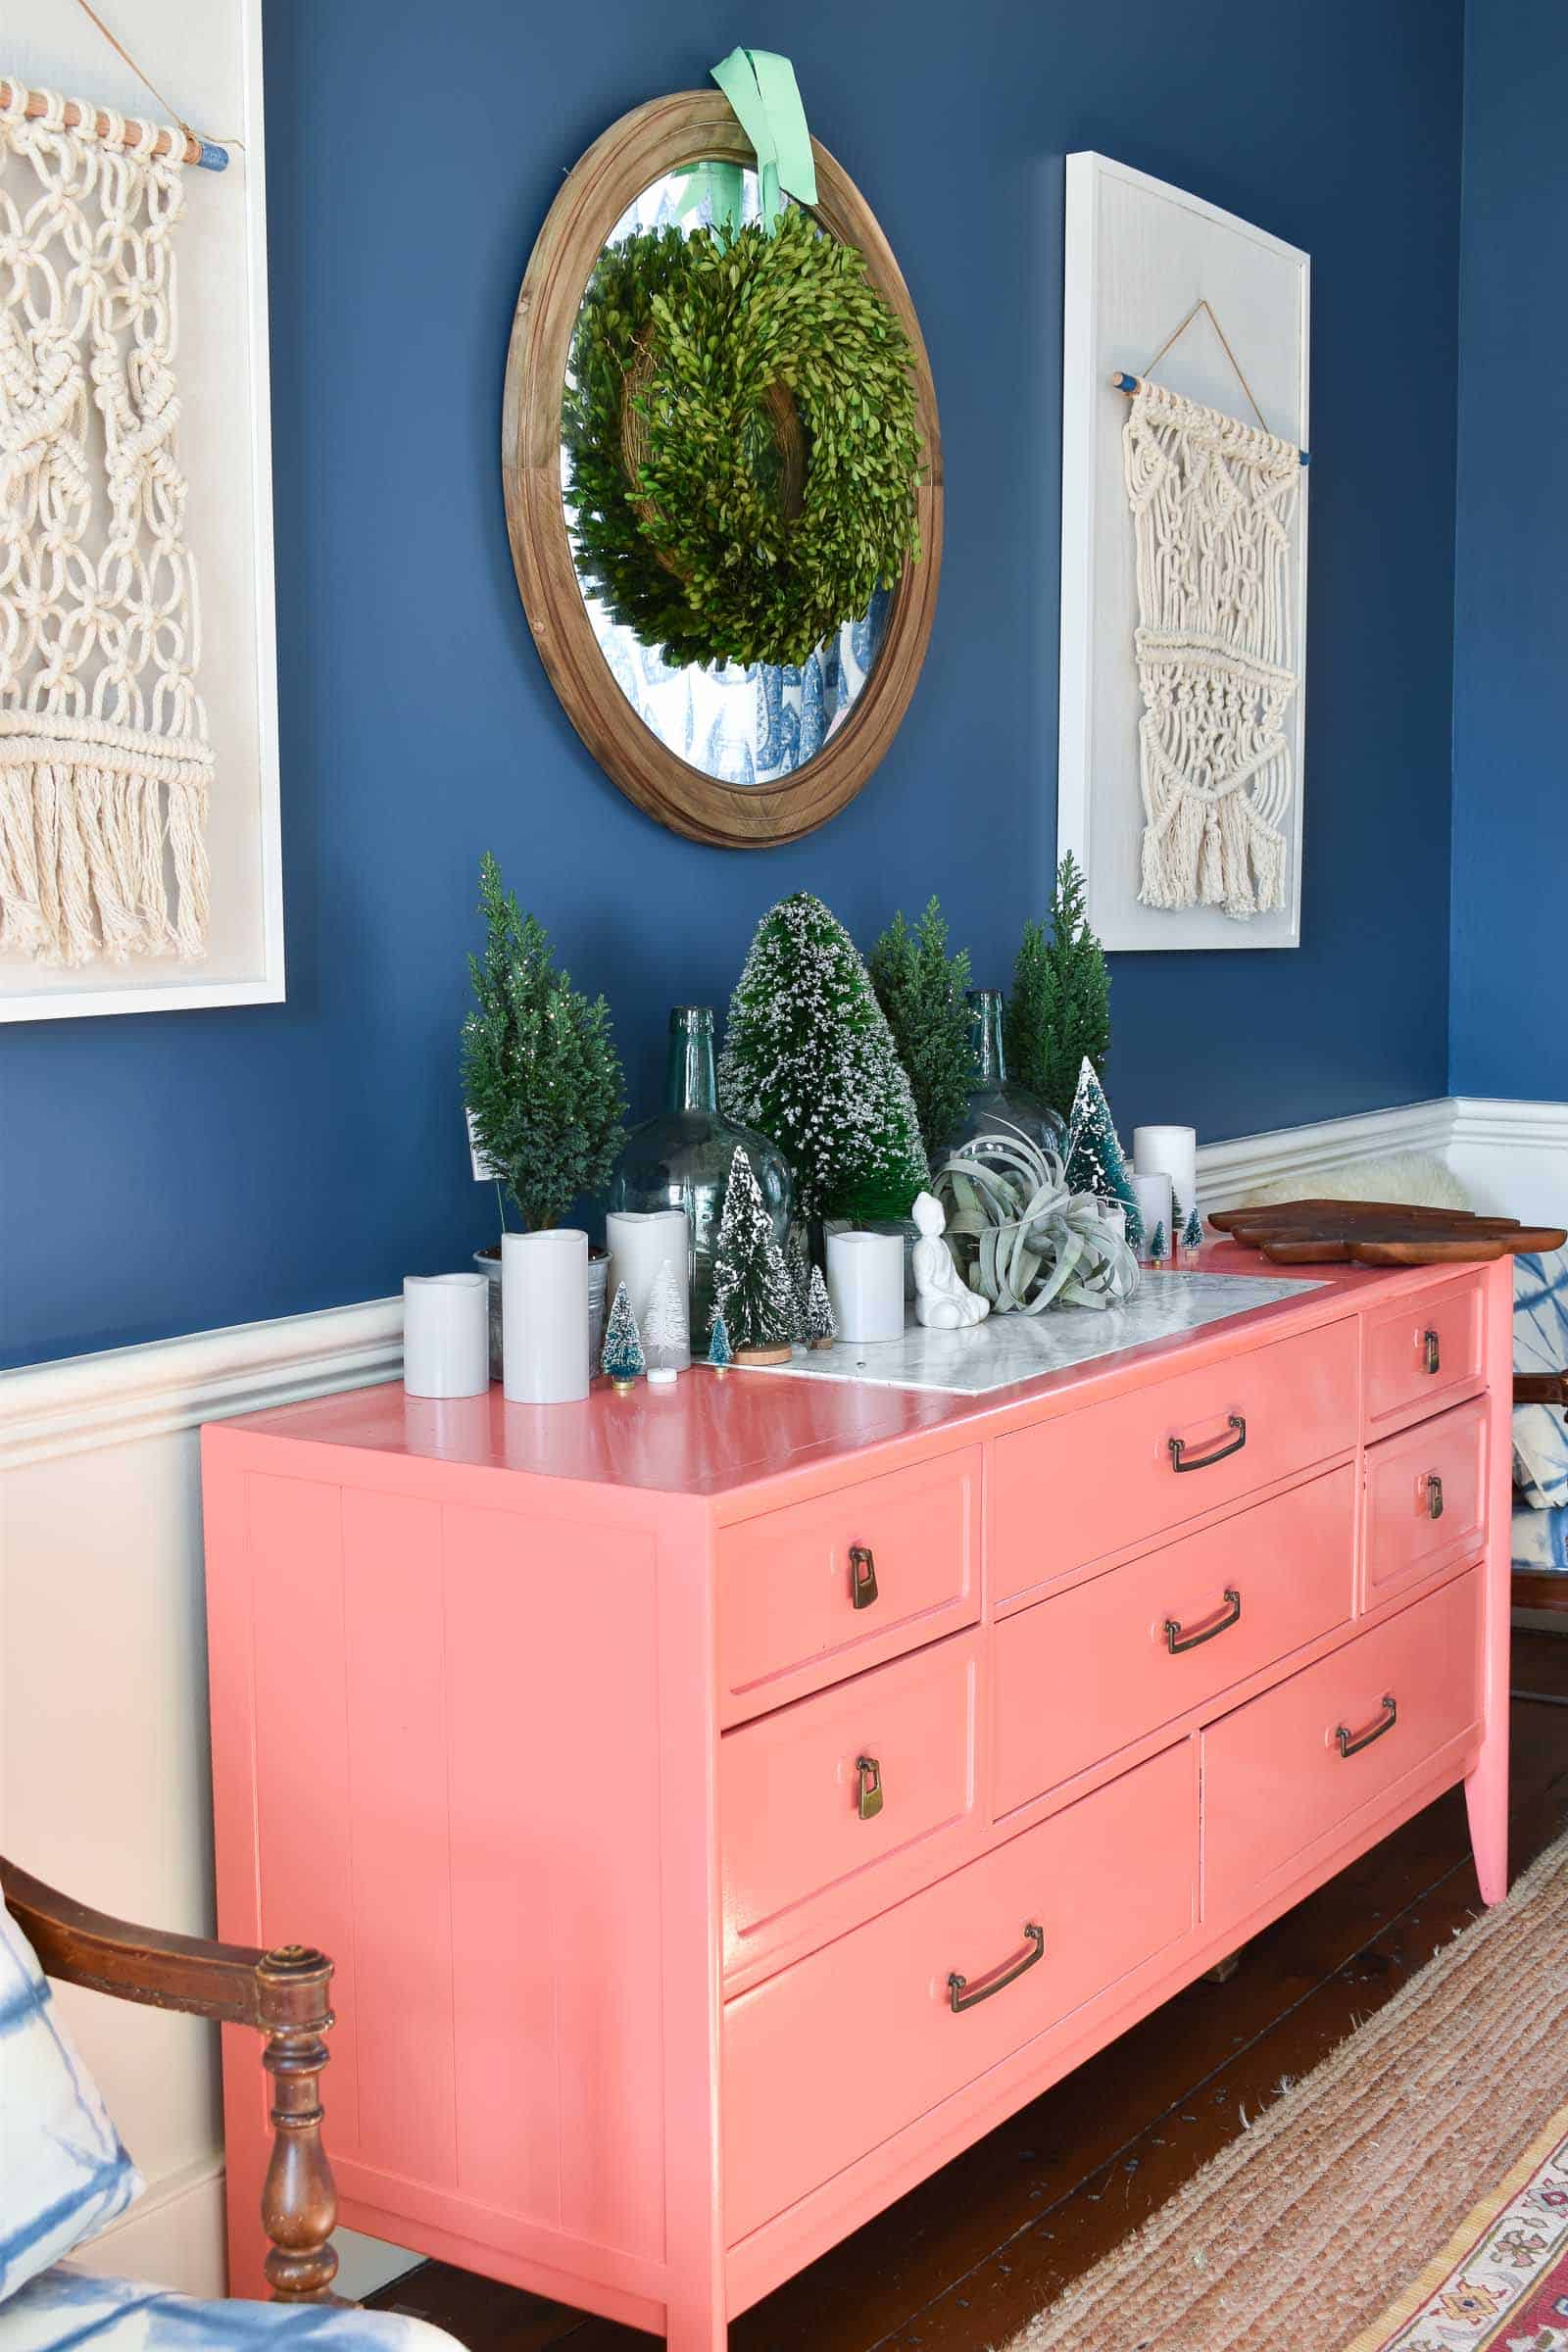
1008	1349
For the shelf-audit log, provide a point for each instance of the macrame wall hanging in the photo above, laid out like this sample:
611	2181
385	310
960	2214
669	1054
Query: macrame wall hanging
105	767
1213	502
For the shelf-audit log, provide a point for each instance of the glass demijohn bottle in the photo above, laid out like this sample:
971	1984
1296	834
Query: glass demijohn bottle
680	1158
996	1105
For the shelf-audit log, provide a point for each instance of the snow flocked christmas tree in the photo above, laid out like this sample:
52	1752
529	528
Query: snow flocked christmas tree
621	1358
755	1299
808	1059
1094	1163
821	1326
665	1336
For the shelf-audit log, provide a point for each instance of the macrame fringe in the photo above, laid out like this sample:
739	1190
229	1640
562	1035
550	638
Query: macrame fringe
1212	501
105	768
85	856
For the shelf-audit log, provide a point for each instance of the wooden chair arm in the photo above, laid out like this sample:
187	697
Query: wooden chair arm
283	1993
1540	1388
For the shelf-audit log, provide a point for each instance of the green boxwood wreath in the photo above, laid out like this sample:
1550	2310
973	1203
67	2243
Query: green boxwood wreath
716	516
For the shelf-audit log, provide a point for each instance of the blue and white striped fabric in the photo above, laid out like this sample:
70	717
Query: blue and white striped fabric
63	2171
66	2309
1540	1344
1540	1541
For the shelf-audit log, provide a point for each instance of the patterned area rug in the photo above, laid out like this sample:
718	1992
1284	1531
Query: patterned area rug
1501	2283
1410	2195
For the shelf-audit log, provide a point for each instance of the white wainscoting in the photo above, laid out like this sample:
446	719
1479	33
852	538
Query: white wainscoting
1512	1157
104	1786
103	1703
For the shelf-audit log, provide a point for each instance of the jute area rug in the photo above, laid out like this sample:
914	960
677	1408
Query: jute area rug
1410	2195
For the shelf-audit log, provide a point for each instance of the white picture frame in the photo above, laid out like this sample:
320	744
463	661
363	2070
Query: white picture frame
1139	255
208	62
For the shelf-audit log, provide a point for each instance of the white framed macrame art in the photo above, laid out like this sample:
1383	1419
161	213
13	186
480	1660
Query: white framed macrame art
1185	434
139	848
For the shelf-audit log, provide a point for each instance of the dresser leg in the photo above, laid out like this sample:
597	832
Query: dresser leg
1486	1797
696	2327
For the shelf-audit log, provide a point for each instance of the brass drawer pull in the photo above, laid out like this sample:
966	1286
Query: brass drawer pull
869	1774
1220	1622
1433	1352
1352	1742
1204	1461
862	1575
958	1990
1434	1496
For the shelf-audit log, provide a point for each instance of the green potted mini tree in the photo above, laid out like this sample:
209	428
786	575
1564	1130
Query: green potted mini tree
923	990
543	1084
1058	1014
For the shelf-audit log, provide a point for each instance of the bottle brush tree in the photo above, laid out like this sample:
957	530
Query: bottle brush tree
822	1325
809	1059
1058	1014
540	1073
621	1358
923	990
756	1296
720	1355
664	1321
1094	1163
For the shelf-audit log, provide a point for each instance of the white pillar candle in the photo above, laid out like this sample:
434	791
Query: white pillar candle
865	1284
1170	1152
446	1335
641	1241
543	1316
1153	1207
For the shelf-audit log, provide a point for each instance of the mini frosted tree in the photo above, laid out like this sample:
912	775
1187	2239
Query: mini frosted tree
1059	1010
1193	1230
799	1270
720	1355
621	1358
1094	1163
924	993
665	1331
809	1059
750	1283
1158	1248
821	1326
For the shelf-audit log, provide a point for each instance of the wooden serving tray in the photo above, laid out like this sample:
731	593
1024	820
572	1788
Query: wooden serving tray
1379	1233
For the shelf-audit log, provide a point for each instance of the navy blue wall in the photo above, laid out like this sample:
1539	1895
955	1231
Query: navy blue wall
176	1172
1510	809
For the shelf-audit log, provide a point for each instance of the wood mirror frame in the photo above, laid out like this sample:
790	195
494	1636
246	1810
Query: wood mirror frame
690	126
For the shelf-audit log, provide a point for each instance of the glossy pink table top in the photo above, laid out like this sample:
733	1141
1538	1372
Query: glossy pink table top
708	1435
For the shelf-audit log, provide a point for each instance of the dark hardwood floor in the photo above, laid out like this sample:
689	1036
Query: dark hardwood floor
965	2259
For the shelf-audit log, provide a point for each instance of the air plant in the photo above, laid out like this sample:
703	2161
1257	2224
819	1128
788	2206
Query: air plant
1021	1238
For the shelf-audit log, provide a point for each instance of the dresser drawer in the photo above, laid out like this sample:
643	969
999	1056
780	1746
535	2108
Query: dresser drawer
828	2059
871	1782
1092	1483
1426	1500
1080	1675
1425	1356
1295	1765
825	1589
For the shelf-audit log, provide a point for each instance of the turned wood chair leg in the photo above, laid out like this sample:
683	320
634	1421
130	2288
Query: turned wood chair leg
299	2198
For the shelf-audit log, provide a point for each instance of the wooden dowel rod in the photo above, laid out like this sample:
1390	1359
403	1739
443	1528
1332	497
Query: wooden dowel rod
194	150
1121	381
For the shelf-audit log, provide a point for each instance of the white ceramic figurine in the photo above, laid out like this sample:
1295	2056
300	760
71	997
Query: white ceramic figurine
942	1300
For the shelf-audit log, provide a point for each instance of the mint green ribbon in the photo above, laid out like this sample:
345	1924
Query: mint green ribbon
761	89
719	184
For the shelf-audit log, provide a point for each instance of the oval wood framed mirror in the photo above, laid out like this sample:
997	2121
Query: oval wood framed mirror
766	757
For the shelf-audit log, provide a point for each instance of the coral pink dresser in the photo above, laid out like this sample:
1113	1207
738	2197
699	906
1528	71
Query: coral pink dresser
724	1804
